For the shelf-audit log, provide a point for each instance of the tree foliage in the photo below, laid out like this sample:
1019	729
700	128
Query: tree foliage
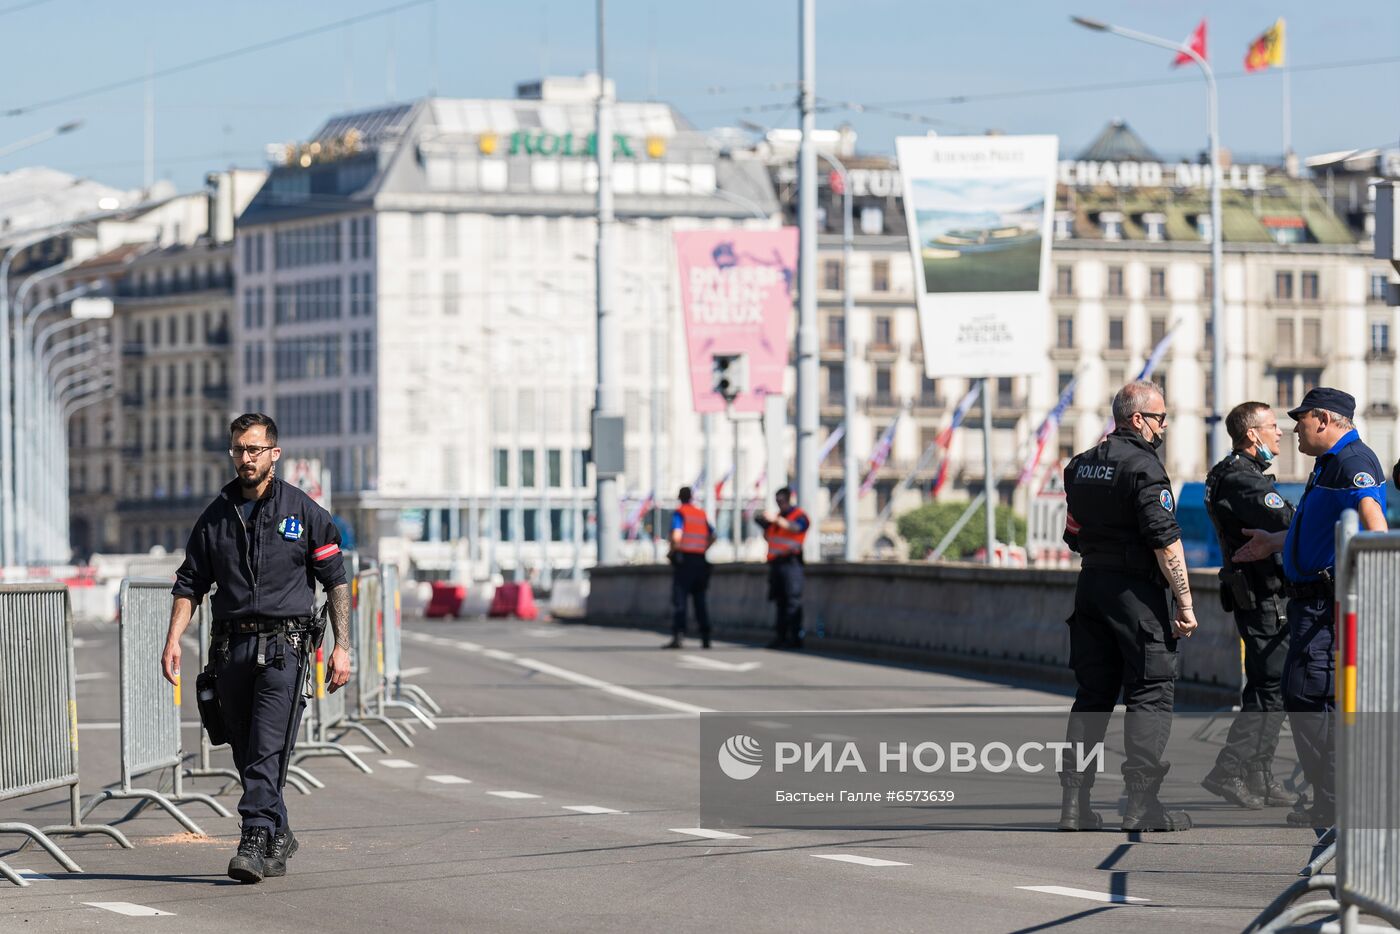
924	528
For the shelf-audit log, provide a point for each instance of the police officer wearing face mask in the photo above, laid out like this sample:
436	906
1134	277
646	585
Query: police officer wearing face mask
1132	603
1239	496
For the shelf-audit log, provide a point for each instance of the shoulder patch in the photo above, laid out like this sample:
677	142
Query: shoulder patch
1273	501
1363	480
1166	500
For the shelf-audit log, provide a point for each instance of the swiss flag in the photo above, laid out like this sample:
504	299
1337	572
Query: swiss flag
1197	44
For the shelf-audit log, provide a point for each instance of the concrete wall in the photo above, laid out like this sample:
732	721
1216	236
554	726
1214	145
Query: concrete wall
998	621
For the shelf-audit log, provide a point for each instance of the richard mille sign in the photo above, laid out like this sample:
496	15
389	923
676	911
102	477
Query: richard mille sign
1158	175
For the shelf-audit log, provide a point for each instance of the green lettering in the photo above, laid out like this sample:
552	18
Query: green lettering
591	148
547	144
567	148
621	147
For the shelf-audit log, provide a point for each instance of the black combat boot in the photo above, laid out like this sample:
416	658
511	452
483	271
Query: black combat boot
1232	788
1262	783
250	863
283	845
1145	812
1076	812
705	639
675	643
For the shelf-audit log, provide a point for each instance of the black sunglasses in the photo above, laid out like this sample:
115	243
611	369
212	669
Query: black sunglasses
1160	416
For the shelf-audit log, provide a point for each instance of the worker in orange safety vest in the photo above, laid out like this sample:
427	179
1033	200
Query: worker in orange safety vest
691	536
785	530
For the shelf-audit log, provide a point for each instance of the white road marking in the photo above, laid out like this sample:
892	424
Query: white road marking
33	876
128	909
91	676
709	834
414	672
449	779
513	795
1083	893
544	633
397	764
590	809
858	860
564	674
714	664
560	717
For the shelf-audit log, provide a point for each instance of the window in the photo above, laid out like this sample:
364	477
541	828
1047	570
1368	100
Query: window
831	275
884	331
836	331
1115	334
1157	282
1064	280
872	219
835	383
1380	337
1311	380
1064	332
1006	392
1307	286
1155	226
417	235
880	275
1283	337
1064	225
1116	378
1312	336
884	382
928	393
530	521
1112	224
1379	281
503	526
1062	381
1283	285
556	525
554	468
527	468
1115	281
1157	330
502	472
1283	389
449	292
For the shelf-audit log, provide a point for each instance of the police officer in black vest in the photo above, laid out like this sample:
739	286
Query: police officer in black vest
1239	496
265	544
1131	605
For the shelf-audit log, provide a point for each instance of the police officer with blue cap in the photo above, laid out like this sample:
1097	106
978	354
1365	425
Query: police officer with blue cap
1347	475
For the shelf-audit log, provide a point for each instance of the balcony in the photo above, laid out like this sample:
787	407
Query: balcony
1380	355
882	352
219	393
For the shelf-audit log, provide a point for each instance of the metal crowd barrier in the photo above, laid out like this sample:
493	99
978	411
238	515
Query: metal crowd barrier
368	656
150	708
39	713
297	777
395	687
1367	678
328	712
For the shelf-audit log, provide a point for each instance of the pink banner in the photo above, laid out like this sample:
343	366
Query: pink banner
737	289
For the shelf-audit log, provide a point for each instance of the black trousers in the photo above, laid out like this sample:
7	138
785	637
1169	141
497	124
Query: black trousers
257	703
1253	737
690	579
1308	693
785	580
1121	642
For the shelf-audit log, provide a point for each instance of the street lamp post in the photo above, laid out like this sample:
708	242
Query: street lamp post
848	352
1217	349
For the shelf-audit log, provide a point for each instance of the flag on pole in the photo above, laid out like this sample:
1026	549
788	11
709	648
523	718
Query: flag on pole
1047	428
632	524
945	437
719	487
1267	50
830	443
879	455
1196	42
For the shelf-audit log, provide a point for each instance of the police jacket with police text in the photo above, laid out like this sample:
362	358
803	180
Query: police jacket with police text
1239	496
294	545
1120	503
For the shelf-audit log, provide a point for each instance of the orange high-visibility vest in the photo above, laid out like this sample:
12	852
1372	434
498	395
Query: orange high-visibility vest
785	542
695	529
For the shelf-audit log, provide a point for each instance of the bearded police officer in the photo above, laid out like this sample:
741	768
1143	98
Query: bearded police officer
265	544
786	531
691	536
1346	475
1239	496
1131	604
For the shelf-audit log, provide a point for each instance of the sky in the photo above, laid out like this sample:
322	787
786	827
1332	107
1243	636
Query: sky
718	62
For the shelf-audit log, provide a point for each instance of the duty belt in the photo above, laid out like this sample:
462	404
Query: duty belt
1311	590
261	624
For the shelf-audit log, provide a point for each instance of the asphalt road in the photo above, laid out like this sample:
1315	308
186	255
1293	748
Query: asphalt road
560	792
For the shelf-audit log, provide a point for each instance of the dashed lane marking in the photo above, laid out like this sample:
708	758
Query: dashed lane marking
590	809
498	655
709	834
704	663
357	749
128	909
449	779
858	860
1084	893
397	764
513	795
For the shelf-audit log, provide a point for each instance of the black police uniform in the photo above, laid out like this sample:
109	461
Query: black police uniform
266	565
1343	476
1121	638
1239	496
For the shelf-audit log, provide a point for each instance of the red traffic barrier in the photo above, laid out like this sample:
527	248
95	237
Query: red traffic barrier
446	600
516	600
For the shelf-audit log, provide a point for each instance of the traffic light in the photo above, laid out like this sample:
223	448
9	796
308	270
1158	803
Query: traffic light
729	375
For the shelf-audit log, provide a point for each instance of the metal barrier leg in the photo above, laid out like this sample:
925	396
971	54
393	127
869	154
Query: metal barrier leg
1321	862
360	727
155	796
421	696
76	827
1293	915
13	876
306	750
1295	891
414	710
305	778
391	726
38	836
181	796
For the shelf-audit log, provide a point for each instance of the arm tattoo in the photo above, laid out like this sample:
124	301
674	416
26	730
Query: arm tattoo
1180	585
339	598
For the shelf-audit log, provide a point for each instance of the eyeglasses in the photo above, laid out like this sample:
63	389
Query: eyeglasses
253	450
1160	416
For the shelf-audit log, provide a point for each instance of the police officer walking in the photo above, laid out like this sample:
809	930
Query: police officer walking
786	531
1239	496
691	536
1346	475
265	544
1131	604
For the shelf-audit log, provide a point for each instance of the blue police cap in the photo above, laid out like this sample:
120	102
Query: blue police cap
1327	399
